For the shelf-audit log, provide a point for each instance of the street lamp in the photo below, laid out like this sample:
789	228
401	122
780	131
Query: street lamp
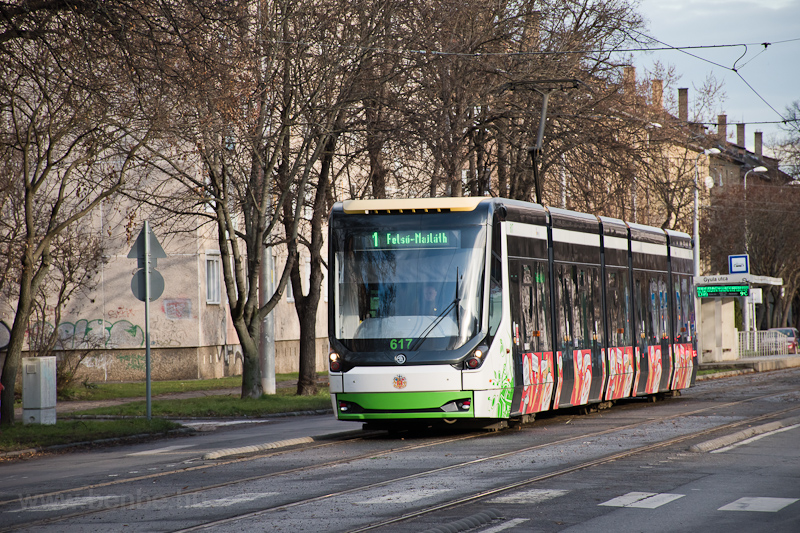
756	169
748	301
696	225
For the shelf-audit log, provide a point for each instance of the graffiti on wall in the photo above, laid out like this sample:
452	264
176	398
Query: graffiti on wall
178	309
96	333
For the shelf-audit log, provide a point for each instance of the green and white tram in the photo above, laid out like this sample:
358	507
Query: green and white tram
488	309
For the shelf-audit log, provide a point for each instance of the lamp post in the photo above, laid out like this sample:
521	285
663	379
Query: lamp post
696	225
756	169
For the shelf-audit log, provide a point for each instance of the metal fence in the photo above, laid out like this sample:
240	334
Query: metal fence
761	343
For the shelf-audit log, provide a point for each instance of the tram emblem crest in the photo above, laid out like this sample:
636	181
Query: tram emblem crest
400	382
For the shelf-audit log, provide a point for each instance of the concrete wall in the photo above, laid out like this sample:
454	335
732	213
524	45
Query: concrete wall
190	337
165	364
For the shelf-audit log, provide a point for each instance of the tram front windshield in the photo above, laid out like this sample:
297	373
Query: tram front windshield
402	286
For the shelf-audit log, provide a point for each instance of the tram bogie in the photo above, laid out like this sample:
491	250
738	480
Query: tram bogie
486	311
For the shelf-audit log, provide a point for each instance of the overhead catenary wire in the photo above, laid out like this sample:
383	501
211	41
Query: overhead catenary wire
731	68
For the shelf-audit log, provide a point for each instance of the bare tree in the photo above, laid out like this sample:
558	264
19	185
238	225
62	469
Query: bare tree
76	259
70	130
766	223
788	148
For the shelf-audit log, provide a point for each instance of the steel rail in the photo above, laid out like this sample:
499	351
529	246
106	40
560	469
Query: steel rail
459	501
338	462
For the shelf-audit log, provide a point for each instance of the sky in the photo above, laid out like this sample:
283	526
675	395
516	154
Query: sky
774	73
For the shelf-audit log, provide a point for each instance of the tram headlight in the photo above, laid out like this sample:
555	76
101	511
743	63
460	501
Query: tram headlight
475	360
335	362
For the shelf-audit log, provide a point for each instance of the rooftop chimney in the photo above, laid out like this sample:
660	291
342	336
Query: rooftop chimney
722	127
658	94
758	141
629	80
683	105
740	135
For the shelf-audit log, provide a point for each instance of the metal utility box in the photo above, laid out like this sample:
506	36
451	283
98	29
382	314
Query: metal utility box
39	390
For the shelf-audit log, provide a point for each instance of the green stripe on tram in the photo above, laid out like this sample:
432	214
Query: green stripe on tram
403	404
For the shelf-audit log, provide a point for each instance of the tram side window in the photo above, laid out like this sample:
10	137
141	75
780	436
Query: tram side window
495	295
658	307
677	310
597	314
619	309
683	309
535	306
566	306
687	291
663	294
645	310
655	307
588	308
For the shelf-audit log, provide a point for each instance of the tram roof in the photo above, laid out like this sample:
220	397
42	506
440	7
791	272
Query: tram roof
412	205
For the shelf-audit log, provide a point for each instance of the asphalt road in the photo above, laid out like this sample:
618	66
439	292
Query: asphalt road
628	468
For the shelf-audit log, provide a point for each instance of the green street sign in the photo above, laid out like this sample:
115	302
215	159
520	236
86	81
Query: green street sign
722	291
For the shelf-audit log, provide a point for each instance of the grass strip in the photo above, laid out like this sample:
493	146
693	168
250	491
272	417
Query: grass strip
113	391
21	437
285	401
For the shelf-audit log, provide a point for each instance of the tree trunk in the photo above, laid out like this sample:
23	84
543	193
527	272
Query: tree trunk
251	369
17	340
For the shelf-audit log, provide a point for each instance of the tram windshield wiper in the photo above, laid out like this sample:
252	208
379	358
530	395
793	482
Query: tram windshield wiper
454	304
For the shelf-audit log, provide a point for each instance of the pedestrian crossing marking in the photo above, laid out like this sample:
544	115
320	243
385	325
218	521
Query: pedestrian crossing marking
763	505
506	525
642	500
66	502
404	497
162	450
530	496
234	500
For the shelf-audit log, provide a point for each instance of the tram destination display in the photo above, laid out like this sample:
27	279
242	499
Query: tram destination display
722	291
407	239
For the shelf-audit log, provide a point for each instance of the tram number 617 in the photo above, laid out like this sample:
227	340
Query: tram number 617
400	344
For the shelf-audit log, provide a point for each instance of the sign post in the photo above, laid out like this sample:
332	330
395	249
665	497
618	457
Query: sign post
147	285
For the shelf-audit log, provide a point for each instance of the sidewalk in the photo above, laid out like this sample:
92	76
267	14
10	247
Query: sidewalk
757	364
66	406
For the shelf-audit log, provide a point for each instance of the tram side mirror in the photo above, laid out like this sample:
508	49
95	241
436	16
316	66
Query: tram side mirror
502	212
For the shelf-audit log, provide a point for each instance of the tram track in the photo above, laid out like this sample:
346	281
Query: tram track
492	492
394	450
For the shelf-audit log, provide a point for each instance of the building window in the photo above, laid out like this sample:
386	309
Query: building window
213	286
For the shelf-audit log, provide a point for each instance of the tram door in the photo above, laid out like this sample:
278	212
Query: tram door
652	318
643	333
529	290
579	334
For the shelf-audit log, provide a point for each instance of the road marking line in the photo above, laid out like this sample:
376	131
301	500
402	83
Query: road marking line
530	496
506	525
762	505
404	497
627	499
162	450
66	503
234	500
656	501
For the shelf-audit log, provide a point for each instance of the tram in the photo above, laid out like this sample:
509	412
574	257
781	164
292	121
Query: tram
489	310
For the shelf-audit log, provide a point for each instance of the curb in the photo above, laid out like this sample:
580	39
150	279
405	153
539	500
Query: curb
727	440
227	452
259	417
110	440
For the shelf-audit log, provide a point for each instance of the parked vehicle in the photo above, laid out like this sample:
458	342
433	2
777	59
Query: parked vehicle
792	339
